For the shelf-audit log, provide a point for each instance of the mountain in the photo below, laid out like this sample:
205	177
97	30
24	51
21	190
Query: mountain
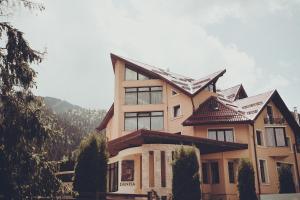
73	123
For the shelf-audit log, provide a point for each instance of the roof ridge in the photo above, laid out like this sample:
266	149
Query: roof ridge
240	84
270	91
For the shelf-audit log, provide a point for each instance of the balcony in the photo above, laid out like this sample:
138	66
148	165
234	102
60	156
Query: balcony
274	120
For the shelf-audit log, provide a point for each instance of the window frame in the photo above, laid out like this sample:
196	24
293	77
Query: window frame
207	180
212	172
151	115
266	174
224	133
262	138
233	172
137	74
113	176
173	111
137	92
274	135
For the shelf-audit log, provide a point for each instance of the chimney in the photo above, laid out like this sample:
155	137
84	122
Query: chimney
296	115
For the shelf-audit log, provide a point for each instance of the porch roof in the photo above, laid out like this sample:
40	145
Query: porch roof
140	137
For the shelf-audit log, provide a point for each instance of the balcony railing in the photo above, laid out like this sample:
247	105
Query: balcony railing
274	120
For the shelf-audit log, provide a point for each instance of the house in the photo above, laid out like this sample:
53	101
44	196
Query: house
155	111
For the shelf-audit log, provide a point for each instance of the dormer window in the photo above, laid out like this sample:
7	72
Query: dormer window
131	75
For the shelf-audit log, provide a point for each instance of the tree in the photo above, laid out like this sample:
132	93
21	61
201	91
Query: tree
246	181
186	182
24	126
91	167
286	181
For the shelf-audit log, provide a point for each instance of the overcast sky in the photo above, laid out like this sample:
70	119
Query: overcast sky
257	41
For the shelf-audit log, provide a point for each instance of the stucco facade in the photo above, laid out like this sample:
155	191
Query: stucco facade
186	104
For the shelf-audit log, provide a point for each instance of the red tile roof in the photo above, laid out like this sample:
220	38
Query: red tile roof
214	111
106	119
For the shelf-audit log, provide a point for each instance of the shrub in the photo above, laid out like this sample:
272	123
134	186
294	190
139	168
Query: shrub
246	181
186	183
91	167
286	181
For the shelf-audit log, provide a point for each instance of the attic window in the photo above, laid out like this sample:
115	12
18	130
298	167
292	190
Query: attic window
174	93
133	75
214	106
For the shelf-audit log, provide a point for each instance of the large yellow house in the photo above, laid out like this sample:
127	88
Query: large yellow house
155	111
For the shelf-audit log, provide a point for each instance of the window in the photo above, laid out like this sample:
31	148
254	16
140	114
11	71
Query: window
276	137
163	168
127	170
231	172
113	169
151	169
215	178
221	135
174	93
205	175
143	95
259	139
270	114
176	111
133	75
279	164
211	87
143	120
263	171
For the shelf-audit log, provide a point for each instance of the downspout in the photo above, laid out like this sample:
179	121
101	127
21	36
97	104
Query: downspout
296	163
256	161
192	100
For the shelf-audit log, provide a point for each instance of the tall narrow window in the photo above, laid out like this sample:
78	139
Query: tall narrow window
113	177
231	172
163	168
205	175
259	138
263	171
215	177
176	111
151	169
270	114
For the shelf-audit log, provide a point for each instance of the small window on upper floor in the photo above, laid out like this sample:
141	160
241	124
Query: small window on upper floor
259	138
174	93
131	75
176	111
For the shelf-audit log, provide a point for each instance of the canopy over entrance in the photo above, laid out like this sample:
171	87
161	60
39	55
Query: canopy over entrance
140	137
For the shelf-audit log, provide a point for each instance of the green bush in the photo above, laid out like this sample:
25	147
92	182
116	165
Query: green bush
246	181
186	182
286	181
91	167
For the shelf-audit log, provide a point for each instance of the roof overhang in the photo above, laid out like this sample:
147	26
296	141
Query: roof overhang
106	119
140	137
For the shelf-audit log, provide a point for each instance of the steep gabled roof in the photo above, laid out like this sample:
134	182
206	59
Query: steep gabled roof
214	111
187	85
106	119
233	93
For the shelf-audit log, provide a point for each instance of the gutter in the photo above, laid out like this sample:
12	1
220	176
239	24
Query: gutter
256	161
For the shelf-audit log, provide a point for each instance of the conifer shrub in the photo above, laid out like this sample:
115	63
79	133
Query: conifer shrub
91	167
186	182
286	181
246	181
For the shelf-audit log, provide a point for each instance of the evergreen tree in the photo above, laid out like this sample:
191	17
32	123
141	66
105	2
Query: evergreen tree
186	182
286	181
246	181
24	125
91	167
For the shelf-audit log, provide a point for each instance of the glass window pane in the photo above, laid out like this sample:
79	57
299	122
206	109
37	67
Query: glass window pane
229	135
156	97
212	135
130	74
130	89
221	135
258	138
263	175
280	139
157	123
158	88
205	176
143	98
142	77
157	113
131	98
130	124
130	114
144	89
215	178
270	137
144	123
231	172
